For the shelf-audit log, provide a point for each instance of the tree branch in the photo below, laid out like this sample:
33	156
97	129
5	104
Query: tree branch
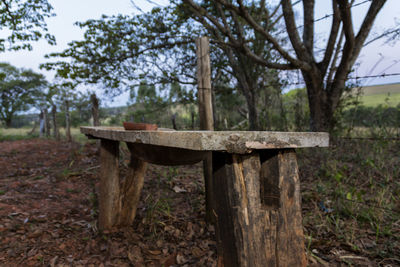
242	11
291	28
308	31
330	47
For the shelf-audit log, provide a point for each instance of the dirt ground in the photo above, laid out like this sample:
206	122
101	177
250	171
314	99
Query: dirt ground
48	214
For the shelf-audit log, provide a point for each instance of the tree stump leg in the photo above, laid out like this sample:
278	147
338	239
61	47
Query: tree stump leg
131	189
109	203
208	173
258	209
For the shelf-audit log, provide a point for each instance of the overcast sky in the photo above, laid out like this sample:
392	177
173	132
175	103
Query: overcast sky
70	11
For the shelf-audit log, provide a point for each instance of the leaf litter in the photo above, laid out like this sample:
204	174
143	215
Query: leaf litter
48	212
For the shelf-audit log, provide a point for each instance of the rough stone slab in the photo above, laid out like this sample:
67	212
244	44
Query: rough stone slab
239	142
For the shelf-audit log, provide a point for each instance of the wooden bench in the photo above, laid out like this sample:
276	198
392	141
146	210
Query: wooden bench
256	187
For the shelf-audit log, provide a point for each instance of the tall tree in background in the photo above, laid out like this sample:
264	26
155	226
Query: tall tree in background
120	51
19	90
25	22
324	73
250	76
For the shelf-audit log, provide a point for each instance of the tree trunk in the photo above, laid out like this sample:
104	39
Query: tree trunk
252	108
192	115
173	120
67	122
56	133
8	122
95	110
321	119
41	124
46	122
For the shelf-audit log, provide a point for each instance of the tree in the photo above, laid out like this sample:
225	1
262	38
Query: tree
120	51
19	90
324	73
25	22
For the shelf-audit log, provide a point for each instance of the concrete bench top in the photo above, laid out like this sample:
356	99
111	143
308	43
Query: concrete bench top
239	142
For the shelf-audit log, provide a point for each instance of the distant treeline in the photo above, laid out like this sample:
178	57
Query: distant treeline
288	112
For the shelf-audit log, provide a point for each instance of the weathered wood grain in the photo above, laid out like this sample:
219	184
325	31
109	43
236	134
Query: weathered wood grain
257	225
131	189
109	202
238	142
281	202
240	226
205	114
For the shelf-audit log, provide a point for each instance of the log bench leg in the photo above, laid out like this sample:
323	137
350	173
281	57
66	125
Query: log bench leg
131	189
118	200
109	203
258	209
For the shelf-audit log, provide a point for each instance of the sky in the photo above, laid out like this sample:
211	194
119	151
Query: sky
70	11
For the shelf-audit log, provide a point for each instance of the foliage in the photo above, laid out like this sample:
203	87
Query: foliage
381	121
24	20
19	89
324	70
120	52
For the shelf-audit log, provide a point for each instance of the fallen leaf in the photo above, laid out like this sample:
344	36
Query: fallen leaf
177	189
53	261
155	252
180	259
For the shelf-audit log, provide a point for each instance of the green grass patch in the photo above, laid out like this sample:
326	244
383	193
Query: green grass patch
352	195
13	134
389	100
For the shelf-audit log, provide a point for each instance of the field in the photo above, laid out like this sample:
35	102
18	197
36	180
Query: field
9	134
386	95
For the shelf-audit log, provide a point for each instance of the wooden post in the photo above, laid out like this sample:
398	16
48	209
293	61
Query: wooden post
206	114
131	189
95	109
109	195
258	212
204	84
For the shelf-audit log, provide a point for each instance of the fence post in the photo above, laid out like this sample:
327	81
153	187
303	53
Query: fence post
95	109
206	114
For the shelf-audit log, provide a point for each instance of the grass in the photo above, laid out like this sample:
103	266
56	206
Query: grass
389	99
351	197
392	88
12	134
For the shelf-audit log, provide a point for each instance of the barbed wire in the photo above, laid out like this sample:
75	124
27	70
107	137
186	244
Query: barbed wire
374	76
357	77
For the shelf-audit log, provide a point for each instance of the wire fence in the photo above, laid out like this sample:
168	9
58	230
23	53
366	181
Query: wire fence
356	77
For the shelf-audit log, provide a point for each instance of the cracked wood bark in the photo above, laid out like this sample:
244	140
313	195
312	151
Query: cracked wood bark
206	114
131	189
258	212
109	203
281	199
